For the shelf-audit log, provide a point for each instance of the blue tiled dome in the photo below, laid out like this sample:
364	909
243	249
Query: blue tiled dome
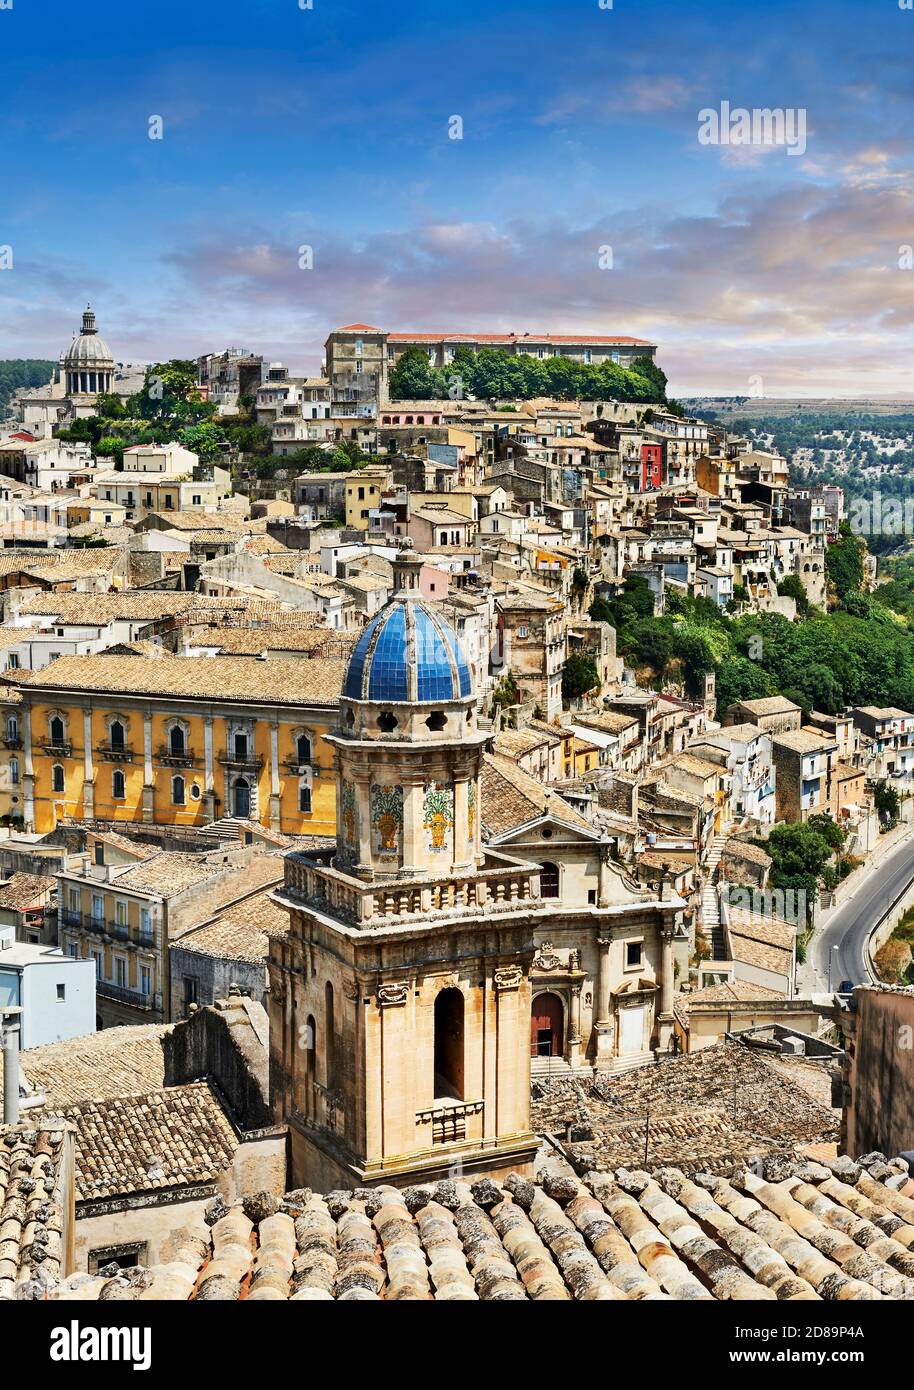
407	654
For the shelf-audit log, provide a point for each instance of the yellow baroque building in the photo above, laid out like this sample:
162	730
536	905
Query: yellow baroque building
179	741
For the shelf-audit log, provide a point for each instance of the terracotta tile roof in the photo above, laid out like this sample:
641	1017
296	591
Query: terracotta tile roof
239	931
137	604
514	743
25	890
279	681
511	797
742	849
97	1066
168	873
732	991
32	1207
145	1143
801	1231
709	1110
534	339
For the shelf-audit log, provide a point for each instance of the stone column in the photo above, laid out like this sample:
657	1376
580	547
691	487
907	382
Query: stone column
209	782
275	811
463	850
148	775
604	1023
208	779
88	771
412	856
363	811
604	878
665	1017
666	972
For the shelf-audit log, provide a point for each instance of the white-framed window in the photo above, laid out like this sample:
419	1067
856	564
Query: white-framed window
177	791
145	980
58	781
120	972
14	772
98	907
73	899
120	913
118	785
634	955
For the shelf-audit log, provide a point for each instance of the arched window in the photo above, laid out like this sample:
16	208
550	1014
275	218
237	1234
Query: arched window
117	785
449	1045
304	797
117	736
12	727
177	791
14	771
57	778
330	1031
303	748
176	742
549	880
310	1060
547	1026
57	730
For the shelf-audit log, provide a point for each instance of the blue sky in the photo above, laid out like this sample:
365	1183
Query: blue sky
328	127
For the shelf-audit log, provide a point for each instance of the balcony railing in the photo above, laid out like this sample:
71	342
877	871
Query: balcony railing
250	762
114	753
170	757
100	926
123	995
503	885
62	750
12	741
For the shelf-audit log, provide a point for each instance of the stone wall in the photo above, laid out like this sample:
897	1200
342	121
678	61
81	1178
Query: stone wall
879	1072
228	1044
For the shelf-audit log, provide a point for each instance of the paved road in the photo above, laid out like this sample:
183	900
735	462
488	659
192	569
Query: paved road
850	926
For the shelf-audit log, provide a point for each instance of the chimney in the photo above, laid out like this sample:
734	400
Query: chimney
9	1033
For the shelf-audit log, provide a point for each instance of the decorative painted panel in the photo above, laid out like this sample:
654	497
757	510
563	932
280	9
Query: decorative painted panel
386	818
471	812
347	813
438	817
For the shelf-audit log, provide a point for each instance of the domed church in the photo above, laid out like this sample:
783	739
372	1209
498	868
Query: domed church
87	366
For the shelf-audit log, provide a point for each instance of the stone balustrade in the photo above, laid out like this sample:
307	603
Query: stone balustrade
492	889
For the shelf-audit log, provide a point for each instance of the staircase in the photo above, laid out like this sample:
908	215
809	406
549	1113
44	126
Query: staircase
710	906
220	831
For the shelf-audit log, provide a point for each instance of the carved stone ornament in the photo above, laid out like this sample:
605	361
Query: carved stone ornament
351	988
394	993
509	977
546	959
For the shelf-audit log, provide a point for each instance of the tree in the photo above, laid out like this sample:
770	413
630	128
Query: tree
800	851
112	446
579	676
791	586
205	439
887	803
413	378
844	563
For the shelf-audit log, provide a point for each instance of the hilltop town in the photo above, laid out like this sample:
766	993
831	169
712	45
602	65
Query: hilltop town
454	816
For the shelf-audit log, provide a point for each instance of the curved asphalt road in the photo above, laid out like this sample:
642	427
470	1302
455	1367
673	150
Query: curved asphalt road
849	928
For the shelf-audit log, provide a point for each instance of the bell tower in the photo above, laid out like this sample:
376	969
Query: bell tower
400	997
